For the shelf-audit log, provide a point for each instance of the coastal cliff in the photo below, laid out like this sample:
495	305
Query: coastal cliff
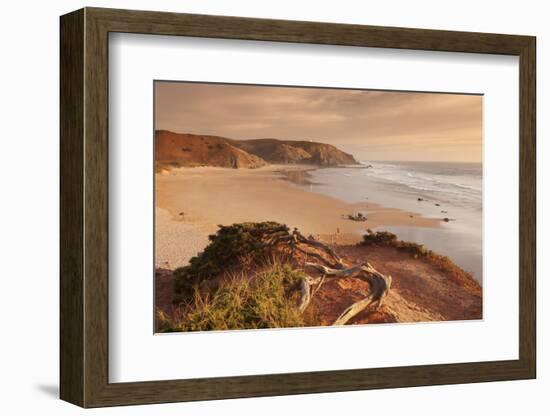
191	150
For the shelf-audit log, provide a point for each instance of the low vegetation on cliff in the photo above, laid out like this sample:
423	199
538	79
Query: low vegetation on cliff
267	299
239	245
264	275
253	275
385	238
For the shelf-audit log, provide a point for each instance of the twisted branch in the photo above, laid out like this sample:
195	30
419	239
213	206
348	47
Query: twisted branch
379	287
333	267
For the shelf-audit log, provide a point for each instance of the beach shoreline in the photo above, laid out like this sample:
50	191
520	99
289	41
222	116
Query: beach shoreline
190	203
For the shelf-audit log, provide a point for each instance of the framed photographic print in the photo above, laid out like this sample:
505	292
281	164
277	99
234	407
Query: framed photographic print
255	207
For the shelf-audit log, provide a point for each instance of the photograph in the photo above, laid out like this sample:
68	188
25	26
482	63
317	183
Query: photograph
298	206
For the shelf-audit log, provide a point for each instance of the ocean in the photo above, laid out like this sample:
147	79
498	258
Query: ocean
451	190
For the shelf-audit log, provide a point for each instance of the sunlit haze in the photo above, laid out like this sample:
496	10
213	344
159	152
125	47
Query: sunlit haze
371	125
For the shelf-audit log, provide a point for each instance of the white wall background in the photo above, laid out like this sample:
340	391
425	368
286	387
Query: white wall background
29	84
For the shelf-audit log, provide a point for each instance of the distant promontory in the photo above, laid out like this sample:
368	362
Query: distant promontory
190	150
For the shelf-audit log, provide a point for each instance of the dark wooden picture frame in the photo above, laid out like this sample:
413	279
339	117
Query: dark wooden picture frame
84	207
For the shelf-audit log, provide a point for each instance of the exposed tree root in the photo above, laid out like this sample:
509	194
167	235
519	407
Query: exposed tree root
348	272
333	267
330	265
379	287
305	288
319	245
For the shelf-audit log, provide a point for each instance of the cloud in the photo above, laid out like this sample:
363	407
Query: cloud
377	124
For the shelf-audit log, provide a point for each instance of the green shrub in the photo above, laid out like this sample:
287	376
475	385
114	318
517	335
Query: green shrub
379	237
385	238
268	299
229	246
416	250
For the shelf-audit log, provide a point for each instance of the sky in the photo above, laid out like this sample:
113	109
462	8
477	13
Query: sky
371	125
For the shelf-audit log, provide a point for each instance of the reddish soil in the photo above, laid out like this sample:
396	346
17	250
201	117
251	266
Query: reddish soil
422	289
164	290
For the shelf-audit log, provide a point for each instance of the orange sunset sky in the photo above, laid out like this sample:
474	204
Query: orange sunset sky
371	125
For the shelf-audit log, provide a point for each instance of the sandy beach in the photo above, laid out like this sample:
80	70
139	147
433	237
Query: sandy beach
192	202
304	207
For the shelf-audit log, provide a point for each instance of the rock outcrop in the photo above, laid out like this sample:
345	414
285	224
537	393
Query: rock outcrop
174	149
181	149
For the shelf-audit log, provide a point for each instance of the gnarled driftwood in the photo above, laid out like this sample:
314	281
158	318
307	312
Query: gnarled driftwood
333	267
380	285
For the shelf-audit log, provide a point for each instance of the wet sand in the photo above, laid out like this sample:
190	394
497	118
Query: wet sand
192	202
